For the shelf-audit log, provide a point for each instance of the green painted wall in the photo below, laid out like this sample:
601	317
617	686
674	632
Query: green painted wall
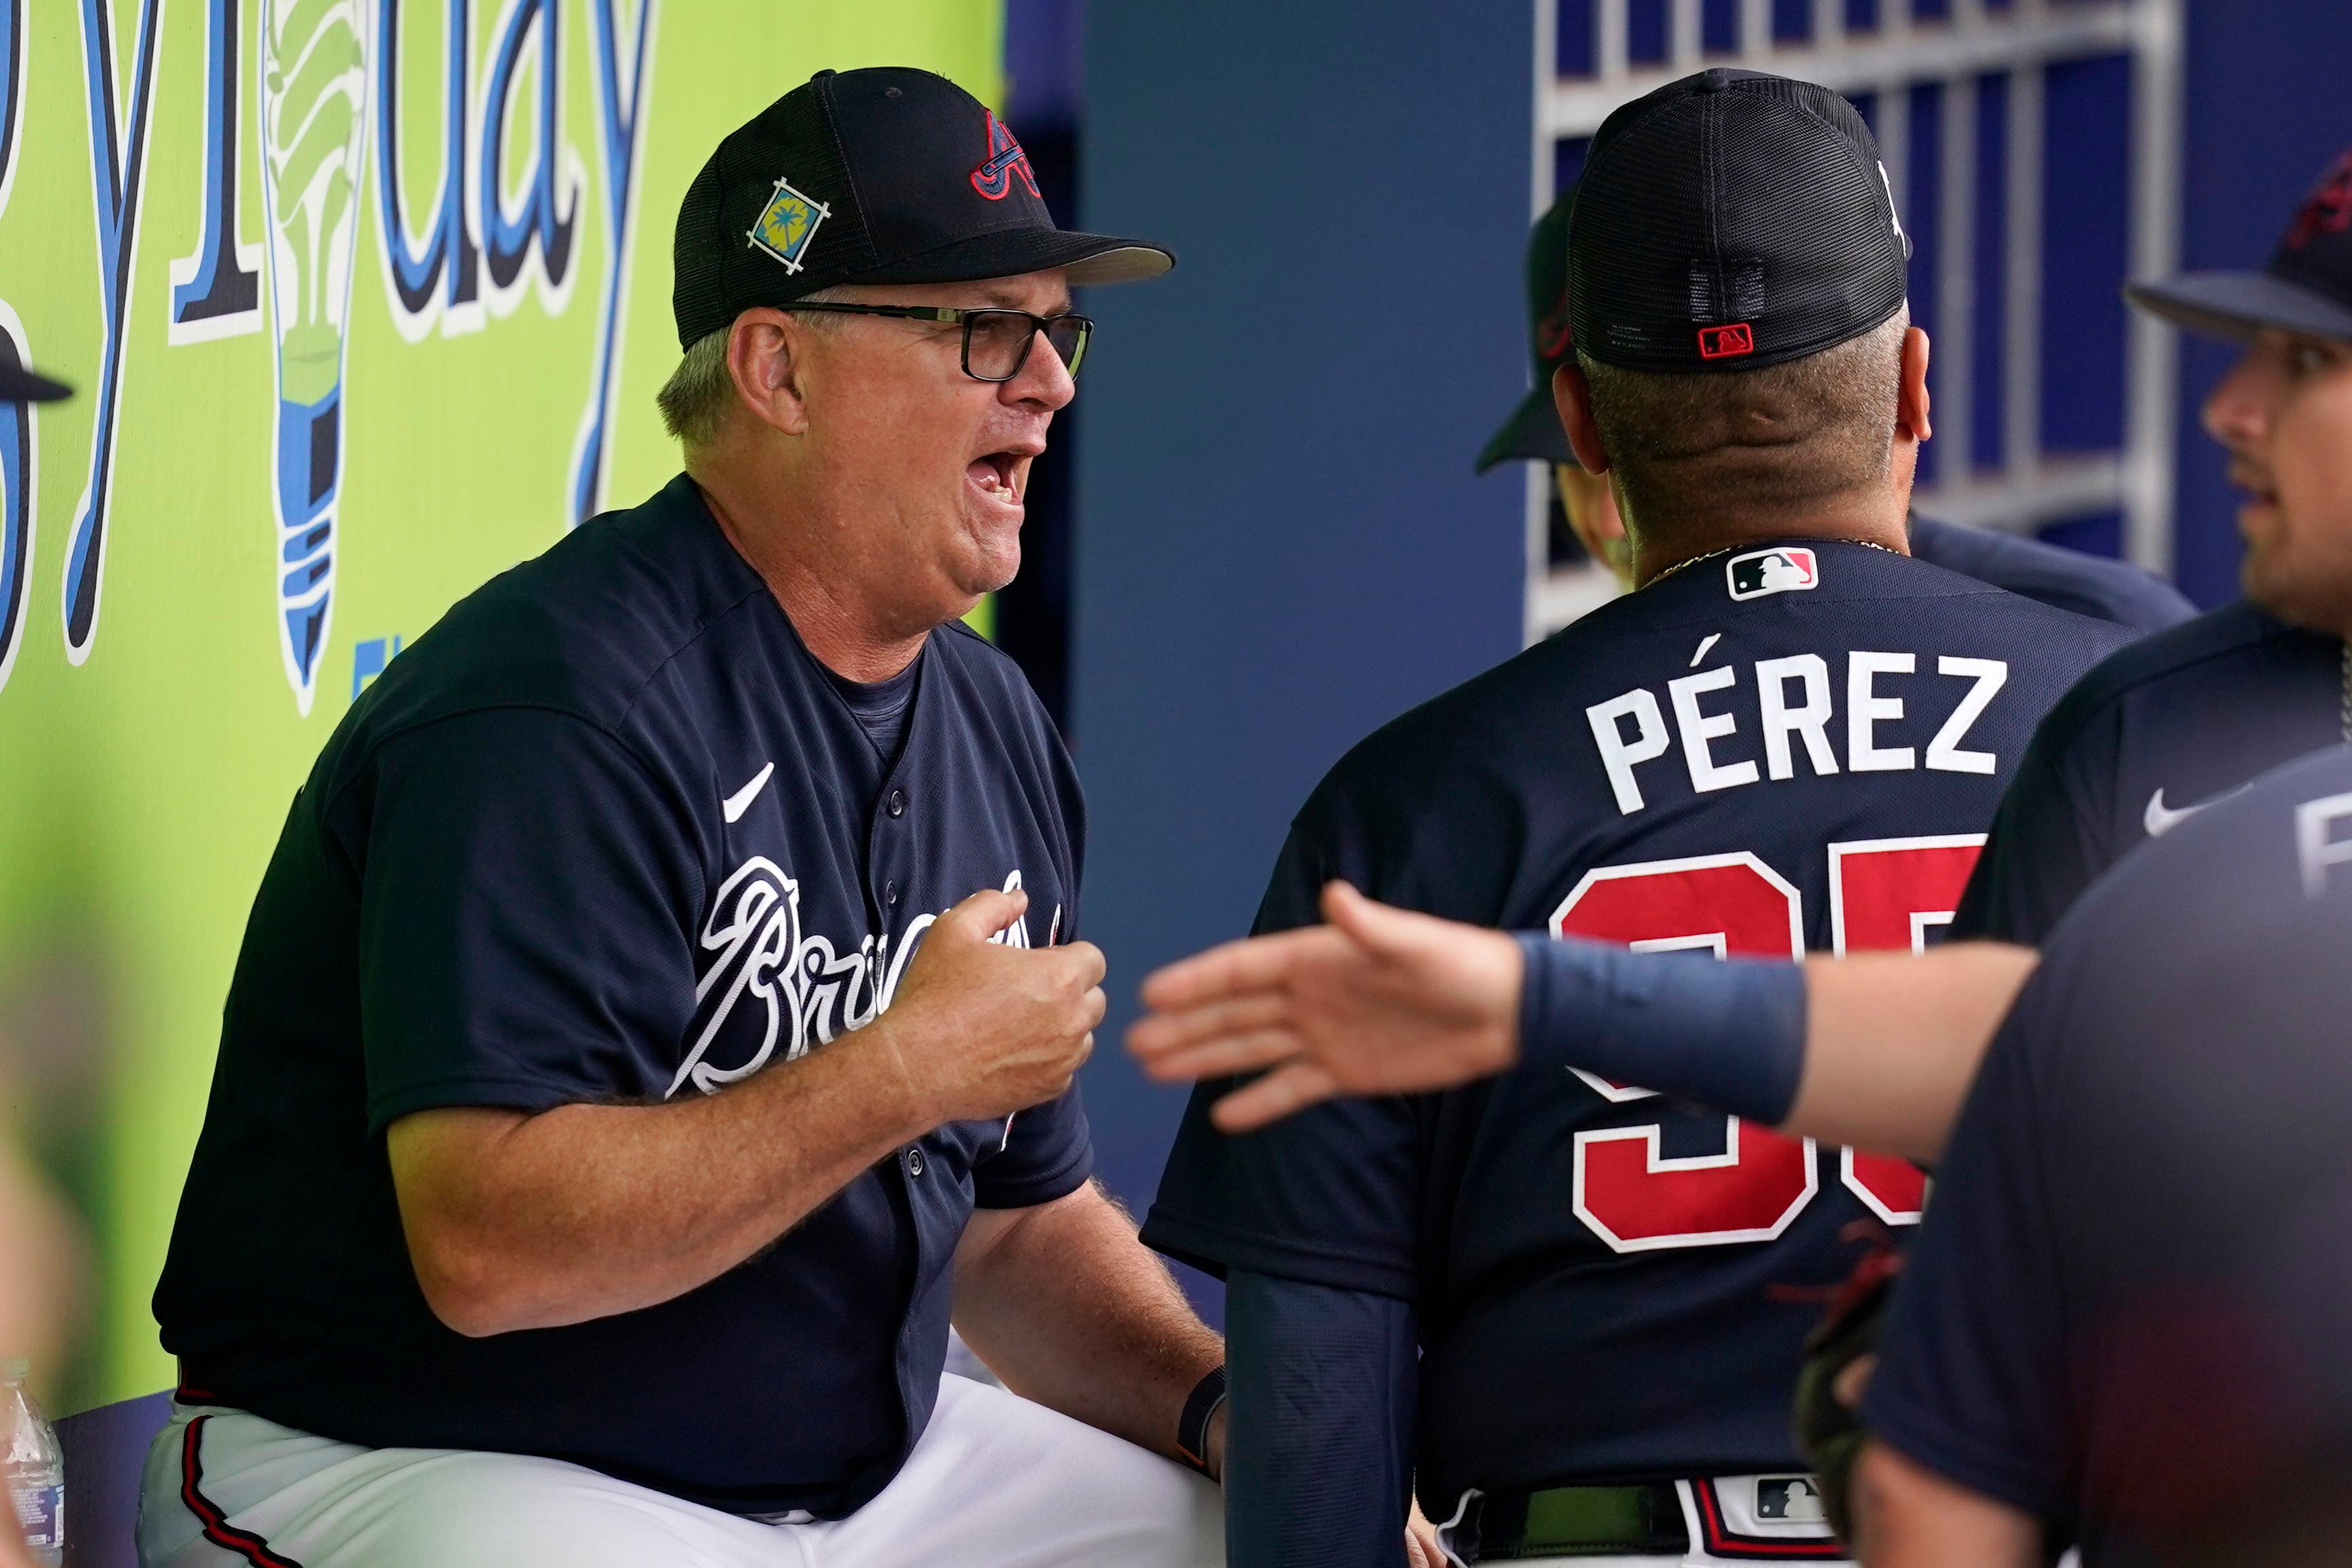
143	774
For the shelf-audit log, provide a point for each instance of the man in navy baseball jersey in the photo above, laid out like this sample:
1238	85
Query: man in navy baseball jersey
2108	590
2167	726
2128	1320
658	1019
1565	1308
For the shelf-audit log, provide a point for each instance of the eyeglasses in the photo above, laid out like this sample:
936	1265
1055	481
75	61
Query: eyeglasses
996	342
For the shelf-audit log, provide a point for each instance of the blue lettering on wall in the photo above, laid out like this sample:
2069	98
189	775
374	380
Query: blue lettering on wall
369	659
438	275
623	93
17	445
546	219
118	165
217	291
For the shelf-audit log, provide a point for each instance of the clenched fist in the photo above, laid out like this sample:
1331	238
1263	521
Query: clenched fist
979	1028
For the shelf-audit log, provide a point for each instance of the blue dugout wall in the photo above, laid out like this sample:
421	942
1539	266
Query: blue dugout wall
1281	542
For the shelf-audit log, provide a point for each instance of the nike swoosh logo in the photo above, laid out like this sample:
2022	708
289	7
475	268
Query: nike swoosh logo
2160	818
738	803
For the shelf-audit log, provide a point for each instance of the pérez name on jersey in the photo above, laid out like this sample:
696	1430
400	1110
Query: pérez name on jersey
1791	702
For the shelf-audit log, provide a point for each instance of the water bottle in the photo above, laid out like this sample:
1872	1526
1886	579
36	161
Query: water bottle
34	1467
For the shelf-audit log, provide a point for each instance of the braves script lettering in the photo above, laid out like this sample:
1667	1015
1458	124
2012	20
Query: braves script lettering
810	991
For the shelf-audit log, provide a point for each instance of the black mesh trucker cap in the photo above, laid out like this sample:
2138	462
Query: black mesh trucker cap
1730	221
1533	433
2305	286
882	176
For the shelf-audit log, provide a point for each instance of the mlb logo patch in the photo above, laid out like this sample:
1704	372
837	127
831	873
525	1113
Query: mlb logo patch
1784	569
787	224
1726	342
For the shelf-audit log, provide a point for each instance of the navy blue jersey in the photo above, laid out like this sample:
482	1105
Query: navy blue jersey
2157	732
2112	590
608	832
2132	1306
1794	747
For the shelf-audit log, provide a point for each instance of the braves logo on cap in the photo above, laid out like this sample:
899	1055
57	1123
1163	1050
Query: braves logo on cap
787	224
2329	209
1785	569
994	178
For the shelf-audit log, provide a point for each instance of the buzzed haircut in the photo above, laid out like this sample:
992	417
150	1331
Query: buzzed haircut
1774	440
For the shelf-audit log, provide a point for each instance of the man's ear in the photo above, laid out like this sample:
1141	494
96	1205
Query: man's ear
1572	396
1911	400
763	359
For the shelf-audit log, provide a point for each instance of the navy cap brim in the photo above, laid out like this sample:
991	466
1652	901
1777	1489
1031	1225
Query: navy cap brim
2237	305
1532	434
1089	260
22	384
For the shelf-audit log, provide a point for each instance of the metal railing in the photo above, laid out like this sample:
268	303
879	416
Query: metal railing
2018	41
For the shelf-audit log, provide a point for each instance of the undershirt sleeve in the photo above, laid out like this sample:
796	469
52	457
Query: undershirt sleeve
526	892
1319	1448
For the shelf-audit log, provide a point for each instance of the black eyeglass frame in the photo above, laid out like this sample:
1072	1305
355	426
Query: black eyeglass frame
951	316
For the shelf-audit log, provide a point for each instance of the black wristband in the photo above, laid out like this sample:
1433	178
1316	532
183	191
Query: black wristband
1192	1425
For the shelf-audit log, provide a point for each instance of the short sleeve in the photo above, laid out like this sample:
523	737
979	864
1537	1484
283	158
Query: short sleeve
1327	1197
1047	1152
1971	1371
526	894
2047	844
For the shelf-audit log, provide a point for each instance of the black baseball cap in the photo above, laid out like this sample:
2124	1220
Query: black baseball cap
2305	286
882	175
1730	221
1533	433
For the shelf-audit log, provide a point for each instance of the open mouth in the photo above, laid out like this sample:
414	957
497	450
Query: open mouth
2255	488
1000	476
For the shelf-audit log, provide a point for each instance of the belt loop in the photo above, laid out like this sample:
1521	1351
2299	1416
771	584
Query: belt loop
1458	1536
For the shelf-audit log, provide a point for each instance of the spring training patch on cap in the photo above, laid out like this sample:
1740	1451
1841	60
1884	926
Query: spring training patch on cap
1784	569
787	224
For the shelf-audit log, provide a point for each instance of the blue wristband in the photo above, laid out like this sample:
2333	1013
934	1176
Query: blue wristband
1730	1035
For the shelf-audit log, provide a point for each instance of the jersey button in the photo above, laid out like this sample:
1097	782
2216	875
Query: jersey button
914	1162
897	802
891	894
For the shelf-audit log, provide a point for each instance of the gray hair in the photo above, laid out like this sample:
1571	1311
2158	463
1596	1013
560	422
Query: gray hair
695	399
1770	440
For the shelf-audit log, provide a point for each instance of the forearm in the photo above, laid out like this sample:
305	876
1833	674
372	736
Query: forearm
584	1211
1893	1043
1906	1516
1320	1468
1066	1306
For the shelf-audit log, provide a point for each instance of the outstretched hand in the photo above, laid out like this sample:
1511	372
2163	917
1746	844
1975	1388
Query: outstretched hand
1378	1001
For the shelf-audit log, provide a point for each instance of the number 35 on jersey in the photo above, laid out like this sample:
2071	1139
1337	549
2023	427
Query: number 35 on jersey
1884	894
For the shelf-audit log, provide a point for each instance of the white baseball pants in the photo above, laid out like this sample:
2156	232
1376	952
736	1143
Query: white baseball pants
995	1482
